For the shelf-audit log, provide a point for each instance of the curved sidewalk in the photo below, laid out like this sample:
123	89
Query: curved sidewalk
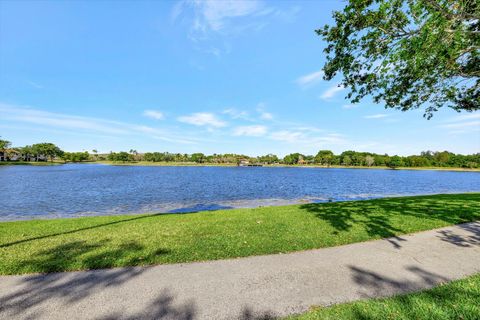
248	288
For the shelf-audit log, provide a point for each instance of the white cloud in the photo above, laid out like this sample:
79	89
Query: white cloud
82	124
350	106
470	116
203	119
35	84
236	114
462	125
308	139
213	14
252	131
287	136
310	78
157	115
264	115
331	92
376	116
211	19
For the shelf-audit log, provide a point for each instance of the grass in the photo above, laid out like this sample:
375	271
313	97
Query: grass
114	241
455	300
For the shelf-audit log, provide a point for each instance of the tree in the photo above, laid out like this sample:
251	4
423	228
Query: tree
395	162
120	156
369	160
47	150
407	53
4	144
293	158
324	157
346	160
198	157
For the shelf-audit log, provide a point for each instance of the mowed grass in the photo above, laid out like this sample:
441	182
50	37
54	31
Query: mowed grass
455	300
114	241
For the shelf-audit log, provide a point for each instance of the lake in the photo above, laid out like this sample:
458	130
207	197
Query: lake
72	190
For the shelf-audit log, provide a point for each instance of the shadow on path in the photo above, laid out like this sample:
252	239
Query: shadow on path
71	288
374	284
462	240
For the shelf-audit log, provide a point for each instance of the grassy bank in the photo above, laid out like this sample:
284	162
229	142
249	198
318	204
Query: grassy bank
112	241
456	300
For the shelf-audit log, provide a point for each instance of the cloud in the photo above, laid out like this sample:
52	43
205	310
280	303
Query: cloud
309	79
217	19
462	125
71	123
466	123
350	106
286	136
213	14
463	117
236	114
264	115
306	138
376	116
35	84
331	92
157	115
203	119
252	131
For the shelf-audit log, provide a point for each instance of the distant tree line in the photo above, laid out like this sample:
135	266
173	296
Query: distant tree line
50	152
323	157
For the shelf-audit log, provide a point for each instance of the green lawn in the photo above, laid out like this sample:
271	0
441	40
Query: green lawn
111	241
455	300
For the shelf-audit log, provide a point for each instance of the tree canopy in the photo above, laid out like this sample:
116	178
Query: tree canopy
4	144
407	53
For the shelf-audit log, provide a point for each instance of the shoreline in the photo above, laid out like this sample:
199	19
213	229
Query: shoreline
227	206
192	164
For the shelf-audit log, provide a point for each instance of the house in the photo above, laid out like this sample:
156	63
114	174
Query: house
244	163
10	155
247	163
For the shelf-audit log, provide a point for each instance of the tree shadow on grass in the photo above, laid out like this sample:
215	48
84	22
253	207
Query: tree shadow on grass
452	302
187	210
80	255
375	216
100	225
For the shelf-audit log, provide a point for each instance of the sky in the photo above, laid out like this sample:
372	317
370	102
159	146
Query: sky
194	76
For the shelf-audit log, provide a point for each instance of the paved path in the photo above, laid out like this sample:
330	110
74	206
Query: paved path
248	288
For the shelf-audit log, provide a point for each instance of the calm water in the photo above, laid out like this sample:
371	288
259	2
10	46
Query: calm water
90	189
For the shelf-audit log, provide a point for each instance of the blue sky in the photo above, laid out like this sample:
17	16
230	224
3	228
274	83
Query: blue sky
193	76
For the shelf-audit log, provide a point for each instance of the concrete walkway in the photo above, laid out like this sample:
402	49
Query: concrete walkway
248	288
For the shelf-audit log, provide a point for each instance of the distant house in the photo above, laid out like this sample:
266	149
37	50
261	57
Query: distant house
244	163
247	163
9	155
